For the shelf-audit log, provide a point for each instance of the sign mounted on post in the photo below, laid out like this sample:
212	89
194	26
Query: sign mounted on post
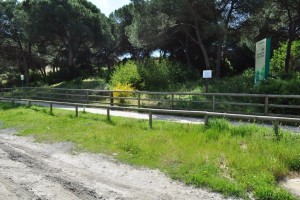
22	79
262	59
207	73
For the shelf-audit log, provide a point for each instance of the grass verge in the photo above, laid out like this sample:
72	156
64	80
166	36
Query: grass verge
233	160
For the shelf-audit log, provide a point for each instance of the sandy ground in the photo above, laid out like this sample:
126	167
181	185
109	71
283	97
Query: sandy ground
293	185
30	170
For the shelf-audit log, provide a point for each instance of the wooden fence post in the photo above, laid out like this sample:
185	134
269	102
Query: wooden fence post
111	97
206	120
35	93
266	104
139	99
172	101
87	96
51	108
76	111
67	94
50	94
150	120
108	115
23	93
214	103
28	103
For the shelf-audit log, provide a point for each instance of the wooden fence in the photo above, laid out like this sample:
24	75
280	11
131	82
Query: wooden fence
106	99
205	114
250	104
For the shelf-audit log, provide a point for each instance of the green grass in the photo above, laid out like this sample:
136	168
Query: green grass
234	160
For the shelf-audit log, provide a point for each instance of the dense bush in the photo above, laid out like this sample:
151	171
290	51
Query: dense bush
162	74
150	74
237	84
280	85
156	74
127	74
278	59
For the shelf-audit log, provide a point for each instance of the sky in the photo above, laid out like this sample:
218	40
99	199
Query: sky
108	6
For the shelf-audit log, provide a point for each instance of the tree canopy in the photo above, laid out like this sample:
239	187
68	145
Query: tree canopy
61	40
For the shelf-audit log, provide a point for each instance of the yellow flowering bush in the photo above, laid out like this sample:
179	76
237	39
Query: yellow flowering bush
127	88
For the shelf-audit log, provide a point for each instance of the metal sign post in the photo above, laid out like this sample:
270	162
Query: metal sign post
22	79
207	74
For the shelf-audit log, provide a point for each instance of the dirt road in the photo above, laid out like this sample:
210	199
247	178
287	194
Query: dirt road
31	170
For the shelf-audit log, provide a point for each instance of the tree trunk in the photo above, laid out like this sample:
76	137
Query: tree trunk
42	71
288	53
25	63
202	47
70	57
108	64
185	46
205	55
70	69
219	57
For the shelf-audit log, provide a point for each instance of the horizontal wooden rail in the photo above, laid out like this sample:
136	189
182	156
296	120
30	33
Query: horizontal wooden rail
264	104
150	111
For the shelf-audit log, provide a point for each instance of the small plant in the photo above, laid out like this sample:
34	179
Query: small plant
277	132
219	124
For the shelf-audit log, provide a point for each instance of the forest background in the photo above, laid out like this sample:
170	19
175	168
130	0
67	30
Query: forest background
149	44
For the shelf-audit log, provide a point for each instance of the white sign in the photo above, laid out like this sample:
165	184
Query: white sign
22	77
207	73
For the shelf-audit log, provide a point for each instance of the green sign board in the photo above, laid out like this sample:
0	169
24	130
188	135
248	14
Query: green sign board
262	59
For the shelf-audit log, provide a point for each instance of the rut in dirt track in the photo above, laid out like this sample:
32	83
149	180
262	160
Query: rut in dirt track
31	170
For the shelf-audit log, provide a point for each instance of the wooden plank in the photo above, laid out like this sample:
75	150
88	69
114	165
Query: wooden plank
284	106
180	112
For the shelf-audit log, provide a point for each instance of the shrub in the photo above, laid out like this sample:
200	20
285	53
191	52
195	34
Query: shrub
237	84
278	59
161	74
127	74
125	87
279	86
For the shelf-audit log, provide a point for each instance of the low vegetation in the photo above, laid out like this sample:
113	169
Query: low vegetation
235	160
90	83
